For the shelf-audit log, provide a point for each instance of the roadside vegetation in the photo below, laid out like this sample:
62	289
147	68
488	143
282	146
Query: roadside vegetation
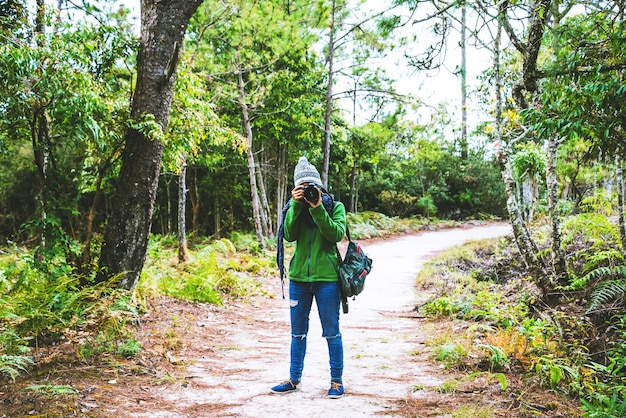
495	326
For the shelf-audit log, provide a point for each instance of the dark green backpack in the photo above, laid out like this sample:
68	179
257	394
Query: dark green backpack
353	269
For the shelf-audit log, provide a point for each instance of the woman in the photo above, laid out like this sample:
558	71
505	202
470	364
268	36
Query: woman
316	224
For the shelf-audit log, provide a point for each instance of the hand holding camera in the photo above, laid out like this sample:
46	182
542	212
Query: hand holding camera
310	193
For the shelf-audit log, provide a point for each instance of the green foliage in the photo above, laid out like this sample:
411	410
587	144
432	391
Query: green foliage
451	355
13	366
597	269
555	371
497	357
607	397
52	390
608	290
129	349
602	406
504	329
397	203
149	127
528	161
591	239
45	301
440	307
426	206
216	270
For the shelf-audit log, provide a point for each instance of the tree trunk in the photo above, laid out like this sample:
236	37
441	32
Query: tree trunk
251	165
182	206
282	182
329	97
619	173
553	208
217	217
40	135
529	49
194	199
463	144
353	176
265	211
163	26
91	216
520	232
167	179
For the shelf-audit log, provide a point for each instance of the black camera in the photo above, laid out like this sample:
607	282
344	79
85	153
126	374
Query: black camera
311	193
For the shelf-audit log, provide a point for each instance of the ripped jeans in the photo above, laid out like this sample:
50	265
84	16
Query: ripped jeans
328	299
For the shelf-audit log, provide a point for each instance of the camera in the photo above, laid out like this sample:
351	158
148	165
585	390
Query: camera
311	193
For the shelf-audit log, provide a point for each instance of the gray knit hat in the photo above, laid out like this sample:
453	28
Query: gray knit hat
305	172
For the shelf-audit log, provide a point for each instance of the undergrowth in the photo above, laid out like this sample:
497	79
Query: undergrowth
45	302
499	323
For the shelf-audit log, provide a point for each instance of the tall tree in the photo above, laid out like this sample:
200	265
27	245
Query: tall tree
463	71
356	39
163	26
251	47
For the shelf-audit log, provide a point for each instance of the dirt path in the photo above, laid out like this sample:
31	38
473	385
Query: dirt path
231	357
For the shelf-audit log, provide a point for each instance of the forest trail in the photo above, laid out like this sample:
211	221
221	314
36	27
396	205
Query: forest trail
231	356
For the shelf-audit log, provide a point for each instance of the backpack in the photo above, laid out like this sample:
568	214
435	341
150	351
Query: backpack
353	269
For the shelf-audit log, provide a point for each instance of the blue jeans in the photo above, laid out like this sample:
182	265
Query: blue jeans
328	299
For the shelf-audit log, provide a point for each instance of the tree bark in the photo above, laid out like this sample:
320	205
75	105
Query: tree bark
553	207
167	179
265	211
329	97
619	173
258	227
524	243
529	49
353	176
463	144
282	182
194	199
163	26
40	135
182	206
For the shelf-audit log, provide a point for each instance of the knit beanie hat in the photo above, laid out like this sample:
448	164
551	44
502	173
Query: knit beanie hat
305	172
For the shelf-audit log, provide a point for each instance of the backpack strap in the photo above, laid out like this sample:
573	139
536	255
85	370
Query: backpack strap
344	299
280	247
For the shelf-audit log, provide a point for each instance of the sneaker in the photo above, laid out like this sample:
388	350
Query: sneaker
285	387
335	391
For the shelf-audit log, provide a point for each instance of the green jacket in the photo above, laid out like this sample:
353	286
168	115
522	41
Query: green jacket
314	258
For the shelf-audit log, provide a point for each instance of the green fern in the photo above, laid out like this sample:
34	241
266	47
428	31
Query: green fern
598	273
606	292
13	366
52	390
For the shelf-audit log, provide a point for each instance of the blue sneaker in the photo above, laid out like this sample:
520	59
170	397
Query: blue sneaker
335	391
285	387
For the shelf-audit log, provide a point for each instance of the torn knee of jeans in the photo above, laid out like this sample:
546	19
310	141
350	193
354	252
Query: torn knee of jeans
332	336
293	302
302	336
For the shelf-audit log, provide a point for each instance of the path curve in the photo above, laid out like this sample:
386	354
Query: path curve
380	334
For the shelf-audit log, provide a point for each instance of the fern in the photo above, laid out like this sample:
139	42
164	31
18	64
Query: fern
13	366
606	292
598	273
52	390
